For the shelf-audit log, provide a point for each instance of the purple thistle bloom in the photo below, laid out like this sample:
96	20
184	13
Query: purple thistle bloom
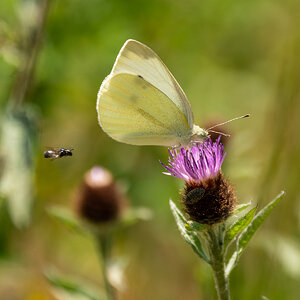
208	198
196	163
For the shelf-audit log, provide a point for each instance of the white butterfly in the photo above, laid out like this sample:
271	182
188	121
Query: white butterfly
141	103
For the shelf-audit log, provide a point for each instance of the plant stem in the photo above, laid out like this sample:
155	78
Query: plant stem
26	69
216	250
104	243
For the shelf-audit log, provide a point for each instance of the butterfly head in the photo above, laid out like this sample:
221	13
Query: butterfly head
199	134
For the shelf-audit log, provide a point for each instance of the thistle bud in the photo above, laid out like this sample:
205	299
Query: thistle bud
208	197
100	199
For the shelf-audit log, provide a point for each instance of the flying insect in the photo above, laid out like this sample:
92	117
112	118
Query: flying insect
141	103
57	153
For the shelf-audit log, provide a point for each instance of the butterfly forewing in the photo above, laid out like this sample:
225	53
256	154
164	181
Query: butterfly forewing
138	59
127	113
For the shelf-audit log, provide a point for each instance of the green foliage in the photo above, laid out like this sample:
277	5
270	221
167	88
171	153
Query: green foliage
238	226
64	288
189	236
257	222
17	154
69	219
248	232
241	207
242	230
229	62
133	215
194	226
8	45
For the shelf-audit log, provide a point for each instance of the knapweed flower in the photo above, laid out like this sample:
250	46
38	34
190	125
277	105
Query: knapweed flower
208	197
100	199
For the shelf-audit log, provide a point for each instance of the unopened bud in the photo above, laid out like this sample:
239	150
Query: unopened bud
100	199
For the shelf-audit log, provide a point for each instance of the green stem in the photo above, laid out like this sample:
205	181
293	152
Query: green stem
26	69
216	250
104	244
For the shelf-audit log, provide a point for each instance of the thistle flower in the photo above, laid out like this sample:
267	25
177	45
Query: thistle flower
208	197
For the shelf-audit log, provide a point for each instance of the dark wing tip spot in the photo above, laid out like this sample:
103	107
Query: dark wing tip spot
140	76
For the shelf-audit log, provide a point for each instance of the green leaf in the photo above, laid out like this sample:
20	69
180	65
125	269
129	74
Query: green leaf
241	207
135	214
17	152
67	218
238	226
249	231
9	50
194	226
190	236
65	288
256	222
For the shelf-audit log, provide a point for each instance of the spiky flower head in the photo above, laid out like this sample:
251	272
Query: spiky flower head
208	197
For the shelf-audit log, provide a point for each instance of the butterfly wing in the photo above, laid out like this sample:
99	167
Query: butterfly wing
133	111
138	59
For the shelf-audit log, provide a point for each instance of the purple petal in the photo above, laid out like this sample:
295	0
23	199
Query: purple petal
197	162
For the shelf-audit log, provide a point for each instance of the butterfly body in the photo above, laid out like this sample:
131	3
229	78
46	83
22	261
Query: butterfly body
141	103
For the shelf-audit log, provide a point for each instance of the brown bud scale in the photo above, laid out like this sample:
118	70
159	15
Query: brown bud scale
100	199
210	201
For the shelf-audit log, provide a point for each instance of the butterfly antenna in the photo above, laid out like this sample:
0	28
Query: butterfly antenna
218	132
242	117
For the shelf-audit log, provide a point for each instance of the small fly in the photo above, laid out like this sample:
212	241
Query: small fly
53	153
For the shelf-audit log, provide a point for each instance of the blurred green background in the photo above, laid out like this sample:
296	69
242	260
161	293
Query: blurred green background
231	58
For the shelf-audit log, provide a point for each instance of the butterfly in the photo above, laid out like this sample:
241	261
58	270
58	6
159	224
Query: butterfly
141	103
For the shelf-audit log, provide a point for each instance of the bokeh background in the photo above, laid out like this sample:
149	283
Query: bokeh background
231	58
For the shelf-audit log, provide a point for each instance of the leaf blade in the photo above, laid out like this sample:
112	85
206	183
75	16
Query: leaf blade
241	207
189	236
67	218
67	288
18	146
249	231
238	226
257	221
